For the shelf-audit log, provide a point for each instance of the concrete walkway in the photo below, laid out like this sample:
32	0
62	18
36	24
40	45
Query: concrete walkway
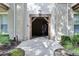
39	47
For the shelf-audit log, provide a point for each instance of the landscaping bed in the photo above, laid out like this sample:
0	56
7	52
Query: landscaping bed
71	44
6	44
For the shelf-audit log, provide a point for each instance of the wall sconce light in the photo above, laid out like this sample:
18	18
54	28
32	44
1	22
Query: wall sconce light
40	13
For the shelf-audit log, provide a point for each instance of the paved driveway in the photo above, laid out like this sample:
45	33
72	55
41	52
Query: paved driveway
39	47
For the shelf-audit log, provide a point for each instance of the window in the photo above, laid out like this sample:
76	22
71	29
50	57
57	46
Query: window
76	23
4	23
76	18
4	28
76	28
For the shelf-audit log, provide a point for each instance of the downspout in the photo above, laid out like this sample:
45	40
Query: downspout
67	19
14	21
15	36
55	23
24	20
24	17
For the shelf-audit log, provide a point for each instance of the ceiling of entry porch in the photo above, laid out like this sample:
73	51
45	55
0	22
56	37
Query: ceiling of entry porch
3	7
76	7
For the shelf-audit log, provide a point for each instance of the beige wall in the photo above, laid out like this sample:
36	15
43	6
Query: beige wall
11	21
61	18
19	21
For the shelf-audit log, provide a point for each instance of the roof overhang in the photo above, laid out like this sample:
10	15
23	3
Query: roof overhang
3	7
75	7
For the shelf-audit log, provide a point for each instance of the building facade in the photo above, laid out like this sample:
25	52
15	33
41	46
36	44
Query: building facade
25	20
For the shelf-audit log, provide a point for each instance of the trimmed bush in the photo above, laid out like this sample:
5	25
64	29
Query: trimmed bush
17	52
4	39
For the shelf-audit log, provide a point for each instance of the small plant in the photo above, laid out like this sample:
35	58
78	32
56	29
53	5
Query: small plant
17	52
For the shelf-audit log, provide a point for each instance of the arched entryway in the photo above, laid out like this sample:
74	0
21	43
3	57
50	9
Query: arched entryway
39	26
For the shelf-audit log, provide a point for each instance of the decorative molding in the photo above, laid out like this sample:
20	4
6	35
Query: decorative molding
75	7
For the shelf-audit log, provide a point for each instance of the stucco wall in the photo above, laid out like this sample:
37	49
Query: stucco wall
20	20
20	17
70	20
11	21
61	19
45	8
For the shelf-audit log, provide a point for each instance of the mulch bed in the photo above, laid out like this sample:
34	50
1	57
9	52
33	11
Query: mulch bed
4	50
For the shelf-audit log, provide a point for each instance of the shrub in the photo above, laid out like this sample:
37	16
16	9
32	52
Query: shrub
65	40
75	39
17	52
4	39
76	51
71	43
68	46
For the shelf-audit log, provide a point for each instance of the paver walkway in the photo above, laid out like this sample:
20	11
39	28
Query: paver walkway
39	47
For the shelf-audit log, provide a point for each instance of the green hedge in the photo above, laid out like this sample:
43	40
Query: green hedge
4	39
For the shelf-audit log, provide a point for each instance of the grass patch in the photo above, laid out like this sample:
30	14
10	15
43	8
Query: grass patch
17	52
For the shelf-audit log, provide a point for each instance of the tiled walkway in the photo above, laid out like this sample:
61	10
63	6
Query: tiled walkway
39	47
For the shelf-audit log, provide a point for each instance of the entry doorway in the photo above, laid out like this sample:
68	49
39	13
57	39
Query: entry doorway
39	26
